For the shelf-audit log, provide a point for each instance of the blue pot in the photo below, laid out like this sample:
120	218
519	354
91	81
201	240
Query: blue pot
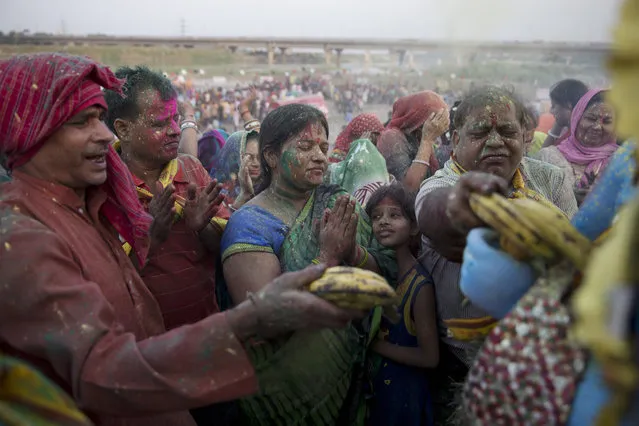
490	278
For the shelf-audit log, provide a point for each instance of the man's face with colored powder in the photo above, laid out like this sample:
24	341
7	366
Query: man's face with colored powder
491	140
155	134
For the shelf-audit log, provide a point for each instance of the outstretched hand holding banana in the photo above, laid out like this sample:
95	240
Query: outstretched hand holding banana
530	228
353	288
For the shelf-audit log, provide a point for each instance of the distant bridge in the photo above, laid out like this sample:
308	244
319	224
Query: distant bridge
330	46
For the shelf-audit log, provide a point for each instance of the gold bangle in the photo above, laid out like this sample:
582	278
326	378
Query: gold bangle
315	261
364	260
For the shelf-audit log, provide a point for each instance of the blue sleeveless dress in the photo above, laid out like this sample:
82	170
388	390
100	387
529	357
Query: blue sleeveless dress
401	393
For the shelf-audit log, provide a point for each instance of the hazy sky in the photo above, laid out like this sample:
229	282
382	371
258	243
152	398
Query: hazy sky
524	20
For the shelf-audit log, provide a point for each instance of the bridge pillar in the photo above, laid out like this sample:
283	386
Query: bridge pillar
283	54
401	57
338	57
328	55
411	59
271	54
367	59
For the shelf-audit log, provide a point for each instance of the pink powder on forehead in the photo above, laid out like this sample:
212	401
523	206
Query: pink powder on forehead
158	109
170	108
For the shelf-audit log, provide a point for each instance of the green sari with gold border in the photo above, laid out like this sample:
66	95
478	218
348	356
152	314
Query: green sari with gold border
314	378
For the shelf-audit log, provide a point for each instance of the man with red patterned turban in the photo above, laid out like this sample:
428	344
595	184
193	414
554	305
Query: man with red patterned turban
71	301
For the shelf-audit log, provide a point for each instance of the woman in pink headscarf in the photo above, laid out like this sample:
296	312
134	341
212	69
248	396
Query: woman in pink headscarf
363	125
408	142
592	142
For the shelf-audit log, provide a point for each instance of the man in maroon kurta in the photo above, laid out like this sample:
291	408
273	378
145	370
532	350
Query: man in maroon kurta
180	271
181	268
71	301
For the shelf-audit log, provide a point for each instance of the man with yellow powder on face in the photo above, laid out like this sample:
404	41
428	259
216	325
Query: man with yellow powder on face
175	189
488	156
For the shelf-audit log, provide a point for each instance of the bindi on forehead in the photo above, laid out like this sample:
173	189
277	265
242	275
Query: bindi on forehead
493	119
313	132
492	116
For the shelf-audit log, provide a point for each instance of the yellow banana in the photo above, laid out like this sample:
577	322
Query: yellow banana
519	236
515	248
529	228
555	230
353	288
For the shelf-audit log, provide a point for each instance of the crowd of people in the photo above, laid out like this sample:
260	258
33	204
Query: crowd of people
219	108
156	242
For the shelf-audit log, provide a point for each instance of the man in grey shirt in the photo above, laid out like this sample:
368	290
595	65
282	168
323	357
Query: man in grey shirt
488	156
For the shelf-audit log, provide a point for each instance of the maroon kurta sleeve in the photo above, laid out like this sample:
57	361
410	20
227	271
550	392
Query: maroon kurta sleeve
49	311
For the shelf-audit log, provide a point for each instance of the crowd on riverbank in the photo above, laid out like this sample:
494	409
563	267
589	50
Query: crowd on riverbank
157	242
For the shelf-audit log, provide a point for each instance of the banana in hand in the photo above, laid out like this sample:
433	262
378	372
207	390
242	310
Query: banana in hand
529	228
353	288
556	230
518	235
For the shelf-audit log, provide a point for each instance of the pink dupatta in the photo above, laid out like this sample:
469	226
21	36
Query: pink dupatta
595	158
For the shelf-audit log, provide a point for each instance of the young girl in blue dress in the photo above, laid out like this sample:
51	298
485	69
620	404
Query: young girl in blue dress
409	347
